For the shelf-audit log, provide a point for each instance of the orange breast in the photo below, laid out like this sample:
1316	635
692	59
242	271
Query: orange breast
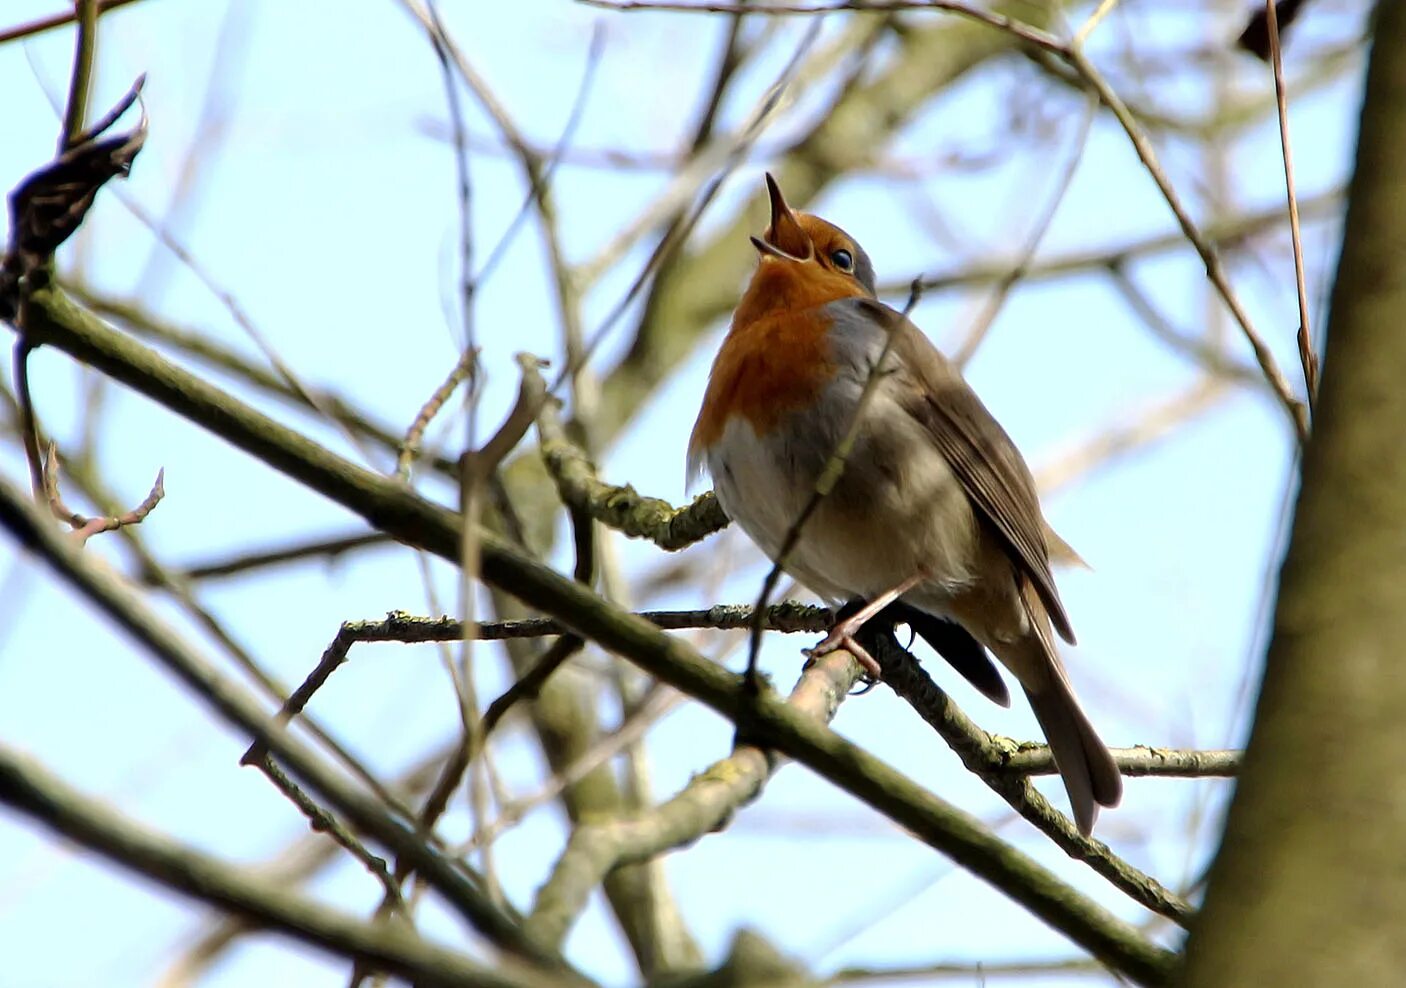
776	357
765	369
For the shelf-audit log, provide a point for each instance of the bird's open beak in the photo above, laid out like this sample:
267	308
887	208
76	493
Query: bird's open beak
784	237
765	248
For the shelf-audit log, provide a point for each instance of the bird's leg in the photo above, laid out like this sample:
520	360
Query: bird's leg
842	634
847	628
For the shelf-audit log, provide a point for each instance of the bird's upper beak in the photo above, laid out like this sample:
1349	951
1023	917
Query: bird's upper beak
784	237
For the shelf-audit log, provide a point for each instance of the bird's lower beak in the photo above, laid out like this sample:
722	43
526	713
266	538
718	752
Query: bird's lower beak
771	250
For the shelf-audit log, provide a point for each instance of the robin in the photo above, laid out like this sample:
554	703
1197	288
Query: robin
935	512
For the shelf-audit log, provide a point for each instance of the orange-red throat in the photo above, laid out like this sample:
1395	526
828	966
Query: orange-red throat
776	358
804	262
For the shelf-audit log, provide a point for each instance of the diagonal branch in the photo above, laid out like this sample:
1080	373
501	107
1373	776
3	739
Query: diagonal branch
30	789
56	321
238	708
985	757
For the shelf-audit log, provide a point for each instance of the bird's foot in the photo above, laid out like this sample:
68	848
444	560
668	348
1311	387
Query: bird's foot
837	640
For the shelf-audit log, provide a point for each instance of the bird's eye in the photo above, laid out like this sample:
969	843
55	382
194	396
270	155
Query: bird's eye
843	259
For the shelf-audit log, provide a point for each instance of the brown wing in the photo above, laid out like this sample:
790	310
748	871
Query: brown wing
980	453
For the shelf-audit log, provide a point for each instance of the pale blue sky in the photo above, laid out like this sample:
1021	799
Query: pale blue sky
327	208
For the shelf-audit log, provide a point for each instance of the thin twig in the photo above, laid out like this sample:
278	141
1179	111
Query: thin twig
962	355
1209	355
99	126
410	446
1104	8
553	158
42	24
657	702
1008	24
44	472
731	154
223	84
311	397
85	45
1134	430
1307	357
84	527
1072	55
299	861
1229	234
29	422
1023	972
1215	270
322	821
328	548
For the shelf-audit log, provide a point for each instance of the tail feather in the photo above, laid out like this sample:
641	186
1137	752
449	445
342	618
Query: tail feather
955	644
1091	777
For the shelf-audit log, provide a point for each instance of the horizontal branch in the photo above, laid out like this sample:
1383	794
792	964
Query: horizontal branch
323	548
42	24
1224	234
978	973
1165	763
398	626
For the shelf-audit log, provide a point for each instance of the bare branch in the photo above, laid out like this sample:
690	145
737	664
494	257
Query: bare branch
705	804
1166	763
1307	358
84	527
42	24
983	755
33	791
410	445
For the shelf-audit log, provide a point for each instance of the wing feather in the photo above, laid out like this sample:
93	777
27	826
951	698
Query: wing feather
982	456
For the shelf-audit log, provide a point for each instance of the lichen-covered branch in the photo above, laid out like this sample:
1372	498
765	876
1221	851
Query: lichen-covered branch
704	805
986	757
622	508
1142	760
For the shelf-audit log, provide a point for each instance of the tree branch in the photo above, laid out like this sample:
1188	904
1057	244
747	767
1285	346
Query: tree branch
704	805
54	320
31	790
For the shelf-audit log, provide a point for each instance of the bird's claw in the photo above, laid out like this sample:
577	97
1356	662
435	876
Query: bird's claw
837	640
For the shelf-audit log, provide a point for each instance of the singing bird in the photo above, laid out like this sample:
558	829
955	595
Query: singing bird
935	508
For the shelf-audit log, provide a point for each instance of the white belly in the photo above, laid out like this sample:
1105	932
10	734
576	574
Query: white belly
896	511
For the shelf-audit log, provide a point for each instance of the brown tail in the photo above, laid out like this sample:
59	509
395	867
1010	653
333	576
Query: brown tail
1090	775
